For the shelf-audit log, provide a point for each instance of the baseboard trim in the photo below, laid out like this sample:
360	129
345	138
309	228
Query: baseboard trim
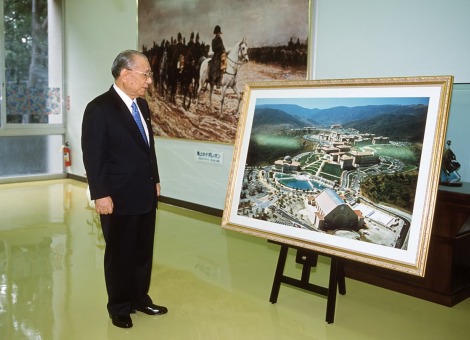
192	206
171	201
77	178
30	178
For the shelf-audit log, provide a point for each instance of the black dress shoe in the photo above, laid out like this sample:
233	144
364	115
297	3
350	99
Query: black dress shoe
153	310
123	321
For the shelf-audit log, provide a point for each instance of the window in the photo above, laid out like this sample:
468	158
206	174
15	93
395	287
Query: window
31	100
32	77
27	156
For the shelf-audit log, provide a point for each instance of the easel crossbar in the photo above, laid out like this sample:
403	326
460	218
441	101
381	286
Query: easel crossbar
313	288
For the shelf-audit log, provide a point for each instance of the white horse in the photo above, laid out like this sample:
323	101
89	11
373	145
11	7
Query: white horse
237	56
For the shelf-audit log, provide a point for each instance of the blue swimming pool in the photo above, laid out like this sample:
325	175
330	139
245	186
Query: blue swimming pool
296	183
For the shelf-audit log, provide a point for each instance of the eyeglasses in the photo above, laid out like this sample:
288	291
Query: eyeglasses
147	74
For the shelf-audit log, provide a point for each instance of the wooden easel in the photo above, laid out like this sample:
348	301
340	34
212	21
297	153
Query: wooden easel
308	259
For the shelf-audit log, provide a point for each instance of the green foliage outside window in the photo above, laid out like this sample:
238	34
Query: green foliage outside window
25	25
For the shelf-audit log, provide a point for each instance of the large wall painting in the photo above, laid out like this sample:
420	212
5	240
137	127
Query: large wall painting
265	40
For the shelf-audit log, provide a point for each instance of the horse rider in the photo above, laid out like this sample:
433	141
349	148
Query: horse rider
199	49
179	53
191	54
217	64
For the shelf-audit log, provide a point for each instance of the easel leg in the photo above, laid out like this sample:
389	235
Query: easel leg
341	279
332	289
281	262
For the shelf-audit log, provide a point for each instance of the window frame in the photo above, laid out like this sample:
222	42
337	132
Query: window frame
29	129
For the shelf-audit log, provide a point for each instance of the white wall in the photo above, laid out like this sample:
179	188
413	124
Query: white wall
361	38
378	38
95	32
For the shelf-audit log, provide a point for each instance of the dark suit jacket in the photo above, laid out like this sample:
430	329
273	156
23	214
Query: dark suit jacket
117	160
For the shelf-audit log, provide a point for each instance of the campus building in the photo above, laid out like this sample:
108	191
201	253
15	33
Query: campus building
328	211
286	165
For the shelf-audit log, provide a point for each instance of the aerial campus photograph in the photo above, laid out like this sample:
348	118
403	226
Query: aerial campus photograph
342	166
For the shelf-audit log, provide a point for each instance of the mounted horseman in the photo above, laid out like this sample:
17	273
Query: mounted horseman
222	70
174	52
163	67
180	50
217	65
189	72
156	64
198	57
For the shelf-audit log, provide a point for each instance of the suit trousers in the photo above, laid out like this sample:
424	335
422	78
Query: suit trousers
128	260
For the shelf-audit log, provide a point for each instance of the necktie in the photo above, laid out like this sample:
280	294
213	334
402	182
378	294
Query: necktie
136	115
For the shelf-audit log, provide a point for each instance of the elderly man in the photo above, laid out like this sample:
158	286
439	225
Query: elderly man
122	172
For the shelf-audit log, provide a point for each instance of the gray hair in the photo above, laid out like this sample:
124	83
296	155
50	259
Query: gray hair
124	60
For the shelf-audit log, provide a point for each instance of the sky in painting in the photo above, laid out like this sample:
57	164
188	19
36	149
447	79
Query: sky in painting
325	103
262	22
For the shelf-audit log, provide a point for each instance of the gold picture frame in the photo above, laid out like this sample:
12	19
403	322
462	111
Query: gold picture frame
345	167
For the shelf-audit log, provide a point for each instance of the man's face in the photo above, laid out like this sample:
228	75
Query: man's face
137	80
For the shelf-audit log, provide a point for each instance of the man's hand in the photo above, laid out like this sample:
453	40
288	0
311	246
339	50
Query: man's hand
104	206
158	188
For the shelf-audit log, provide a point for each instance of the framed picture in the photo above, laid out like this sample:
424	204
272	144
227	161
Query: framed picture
348	167
192	96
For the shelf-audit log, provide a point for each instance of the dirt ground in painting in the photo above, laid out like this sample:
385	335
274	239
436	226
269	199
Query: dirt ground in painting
207	124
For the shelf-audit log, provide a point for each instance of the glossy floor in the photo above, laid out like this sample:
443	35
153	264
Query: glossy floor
216	283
